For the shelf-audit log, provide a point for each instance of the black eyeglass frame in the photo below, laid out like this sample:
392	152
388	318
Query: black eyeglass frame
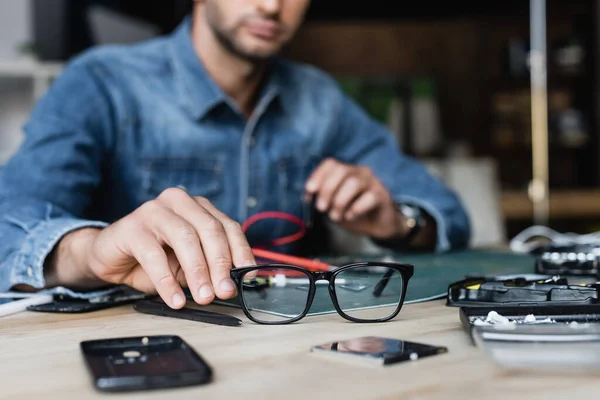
405	270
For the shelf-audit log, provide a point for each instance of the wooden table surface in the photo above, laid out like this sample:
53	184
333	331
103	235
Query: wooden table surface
41	359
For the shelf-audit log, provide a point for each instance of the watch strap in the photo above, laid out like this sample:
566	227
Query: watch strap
415	221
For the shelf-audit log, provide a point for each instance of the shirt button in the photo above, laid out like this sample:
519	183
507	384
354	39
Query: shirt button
251	202
29	271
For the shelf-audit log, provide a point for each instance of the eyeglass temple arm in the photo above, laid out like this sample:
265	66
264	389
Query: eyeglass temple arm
378	290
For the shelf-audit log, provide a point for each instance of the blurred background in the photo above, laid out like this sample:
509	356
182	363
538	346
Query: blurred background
451	80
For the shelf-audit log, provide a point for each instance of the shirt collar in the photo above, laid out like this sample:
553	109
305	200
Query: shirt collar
199	93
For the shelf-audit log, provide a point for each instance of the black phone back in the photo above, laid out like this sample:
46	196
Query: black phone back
144	363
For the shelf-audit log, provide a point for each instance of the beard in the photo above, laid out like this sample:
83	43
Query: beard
227	37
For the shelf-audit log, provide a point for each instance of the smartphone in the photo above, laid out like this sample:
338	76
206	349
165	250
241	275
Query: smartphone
144	363
378	350
69	305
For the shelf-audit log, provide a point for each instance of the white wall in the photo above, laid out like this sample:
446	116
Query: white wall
14	26
15	104
15	94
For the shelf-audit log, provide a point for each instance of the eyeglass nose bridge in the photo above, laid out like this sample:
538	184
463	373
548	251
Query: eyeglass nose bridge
322	275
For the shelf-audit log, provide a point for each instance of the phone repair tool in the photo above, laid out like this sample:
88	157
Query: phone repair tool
310	264
303	224
163	310
272	256
553	291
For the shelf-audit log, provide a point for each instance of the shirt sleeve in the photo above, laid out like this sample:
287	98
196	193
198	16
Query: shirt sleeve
48	184
359	139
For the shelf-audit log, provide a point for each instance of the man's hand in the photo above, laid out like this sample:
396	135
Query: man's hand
354	198
173	241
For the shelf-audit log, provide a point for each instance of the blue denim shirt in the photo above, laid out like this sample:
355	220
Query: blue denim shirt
123	123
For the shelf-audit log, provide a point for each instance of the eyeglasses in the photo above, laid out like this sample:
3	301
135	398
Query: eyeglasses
276	294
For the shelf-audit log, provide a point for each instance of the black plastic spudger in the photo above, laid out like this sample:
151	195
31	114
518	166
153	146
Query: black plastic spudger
163	310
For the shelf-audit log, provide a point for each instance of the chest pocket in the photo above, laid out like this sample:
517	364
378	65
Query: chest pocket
199	177
292	174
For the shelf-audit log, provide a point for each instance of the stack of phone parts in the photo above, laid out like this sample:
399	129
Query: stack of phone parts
537	338
569	260
472	317
528	290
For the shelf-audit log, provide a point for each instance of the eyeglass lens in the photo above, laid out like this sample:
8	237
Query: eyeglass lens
369	293
267	296
281	294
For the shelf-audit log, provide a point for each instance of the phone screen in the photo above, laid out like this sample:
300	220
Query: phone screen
383	350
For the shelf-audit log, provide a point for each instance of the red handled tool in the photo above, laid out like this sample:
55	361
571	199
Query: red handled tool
310	264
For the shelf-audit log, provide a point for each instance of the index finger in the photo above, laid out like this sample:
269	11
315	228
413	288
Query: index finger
213	240
153	259
315	181
241	252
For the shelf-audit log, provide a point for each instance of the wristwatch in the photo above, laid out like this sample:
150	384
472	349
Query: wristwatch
415	221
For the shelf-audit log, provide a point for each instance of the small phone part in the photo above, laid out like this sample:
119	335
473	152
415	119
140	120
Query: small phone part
144	363
374	350
569	260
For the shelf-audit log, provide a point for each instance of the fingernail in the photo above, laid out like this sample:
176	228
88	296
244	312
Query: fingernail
321	205
226	285
311	186
349	216
206	292
178	300
334	215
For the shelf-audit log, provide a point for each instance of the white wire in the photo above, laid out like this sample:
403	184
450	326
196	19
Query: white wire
524	242
17	295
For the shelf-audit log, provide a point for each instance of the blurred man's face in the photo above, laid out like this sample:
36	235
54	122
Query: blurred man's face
254	29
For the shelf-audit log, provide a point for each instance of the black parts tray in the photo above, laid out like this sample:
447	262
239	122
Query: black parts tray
490	292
